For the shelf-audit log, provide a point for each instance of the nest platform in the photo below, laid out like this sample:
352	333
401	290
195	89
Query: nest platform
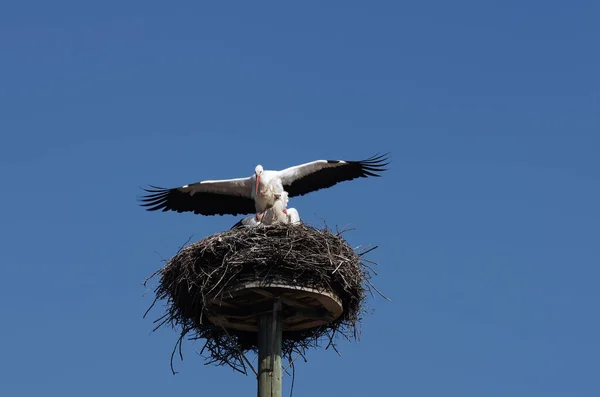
216	290
302	308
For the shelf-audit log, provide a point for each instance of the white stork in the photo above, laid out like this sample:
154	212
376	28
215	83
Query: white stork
277	214
249	221
254	194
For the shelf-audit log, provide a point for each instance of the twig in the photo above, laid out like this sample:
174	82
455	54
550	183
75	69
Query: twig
240	352
369	250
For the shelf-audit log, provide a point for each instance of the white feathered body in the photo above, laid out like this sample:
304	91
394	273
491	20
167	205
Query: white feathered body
275	214
269	184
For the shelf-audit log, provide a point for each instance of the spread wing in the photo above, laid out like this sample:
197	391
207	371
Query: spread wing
231	196
321	174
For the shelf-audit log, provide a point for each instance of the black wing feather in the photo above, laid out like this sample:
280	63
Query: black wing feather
328	177
238	225
203	203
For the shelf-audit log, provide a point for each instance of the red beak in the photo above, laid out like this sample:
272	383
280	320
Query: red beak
257	183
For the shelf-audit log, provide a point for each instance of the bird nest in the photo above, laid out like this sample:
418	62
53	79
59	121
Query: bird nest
201	276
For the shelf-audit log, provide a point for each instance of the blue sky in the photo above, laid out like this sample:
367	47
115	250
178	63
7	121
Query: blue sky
487	222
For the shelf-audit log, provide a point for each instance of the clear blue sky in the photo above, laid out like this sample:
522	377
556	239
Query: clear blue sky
487	222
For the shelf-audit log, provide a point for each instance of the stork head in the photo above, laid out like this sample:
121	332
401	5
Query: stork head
257	173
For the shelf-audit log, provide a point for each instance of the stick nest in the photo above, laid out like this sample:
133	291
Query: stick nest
300	255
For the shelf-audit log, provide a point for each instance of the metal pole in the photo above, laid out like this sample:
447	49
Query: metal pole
269	353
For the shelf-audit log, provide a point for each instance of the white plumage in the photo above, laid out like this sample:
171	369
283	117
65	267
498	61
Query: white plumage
276	214
254	193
